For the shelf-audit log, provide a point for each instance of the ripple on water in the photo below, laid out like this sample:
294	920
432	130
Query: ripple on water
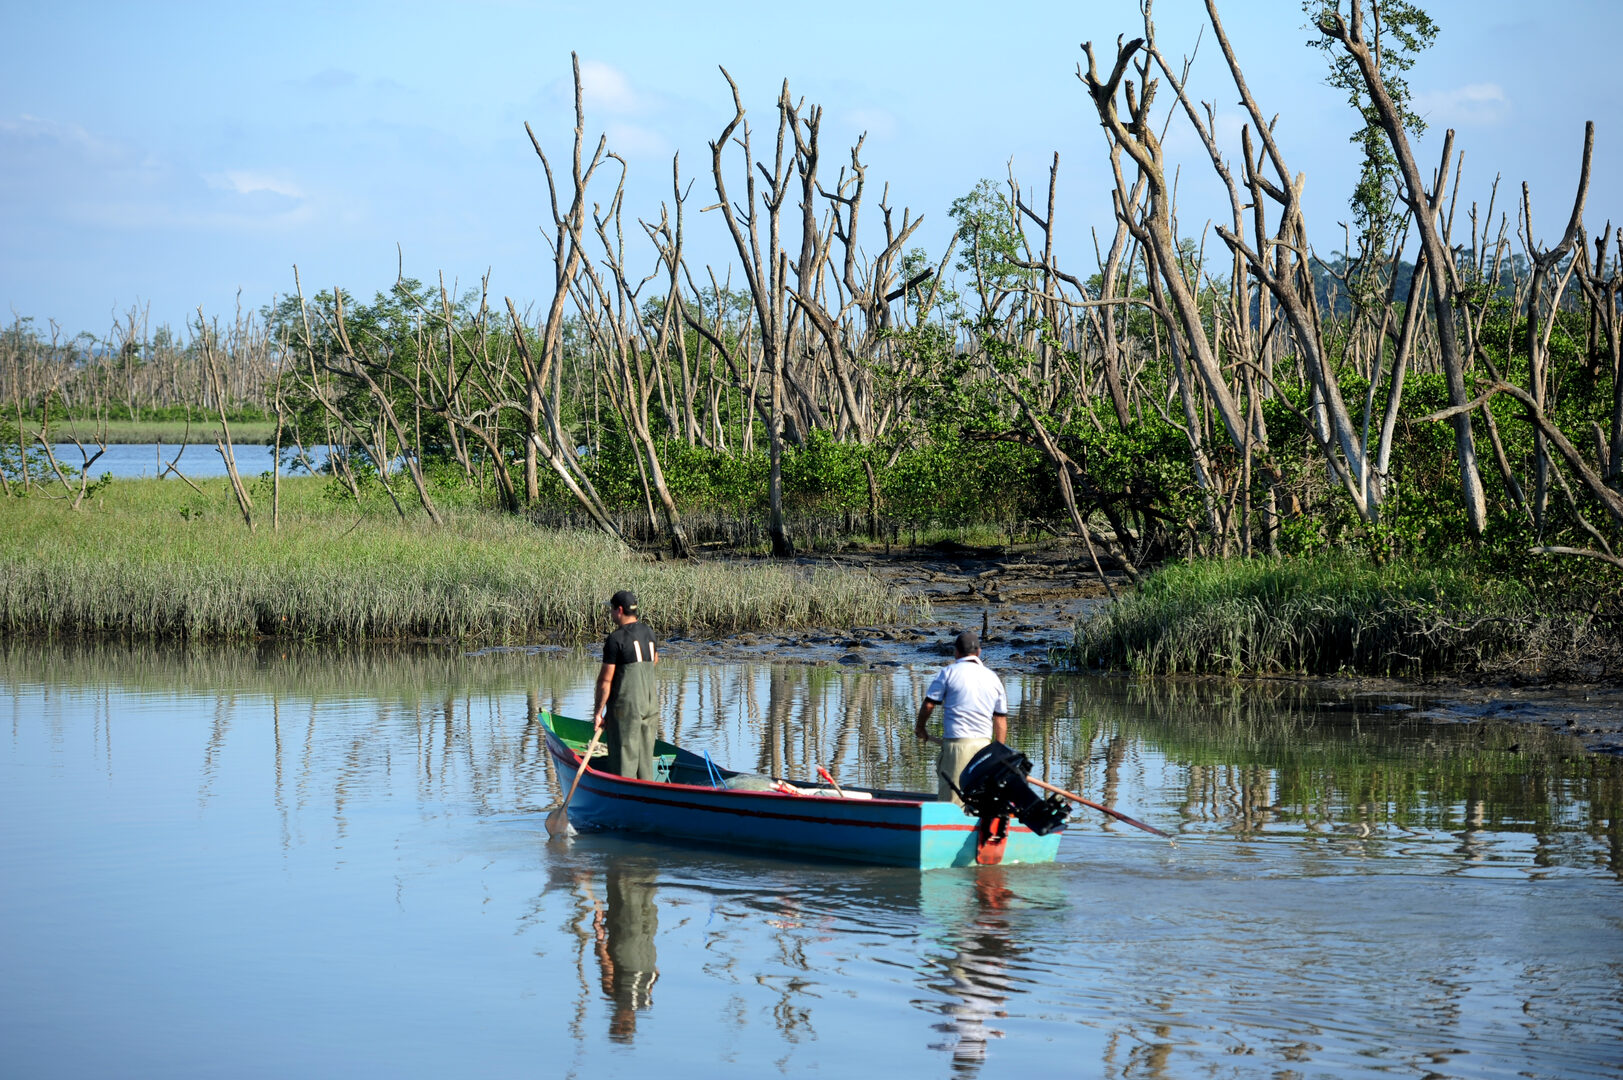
339	866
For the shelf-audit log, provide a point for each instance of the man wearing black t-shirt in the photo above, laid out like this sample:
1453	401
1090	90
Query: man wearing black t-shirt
626	709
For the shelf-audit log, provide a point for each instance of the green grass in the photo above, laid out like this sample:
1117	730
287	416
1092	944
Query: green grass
1335	614
169	432
152	559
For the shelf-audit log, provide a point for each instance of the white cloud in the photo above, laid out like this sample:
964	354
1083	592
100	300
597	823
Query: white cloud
26	129
633	140
247	183
1475	105
877	122
69	176
604	88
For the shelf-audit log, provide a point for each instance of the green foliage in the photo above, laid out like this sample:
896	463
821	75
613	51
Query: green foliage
947	481
393	337
989	238
23	459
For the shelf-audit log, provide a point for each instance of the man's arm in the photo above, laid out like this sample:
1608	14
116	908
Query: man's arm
923	717
605	679
1000	727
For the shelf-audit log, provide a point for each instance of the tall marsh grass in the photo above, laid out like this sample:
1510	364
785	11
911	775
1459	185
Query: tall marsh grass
1333	614
168	432
152	559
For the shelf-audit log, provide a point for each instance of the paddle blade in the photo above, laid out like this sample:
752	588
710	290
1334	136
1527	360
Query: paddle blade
558	827
558	820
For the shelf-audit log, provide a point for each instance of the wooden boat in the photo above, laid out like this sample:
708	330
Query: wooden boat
892	828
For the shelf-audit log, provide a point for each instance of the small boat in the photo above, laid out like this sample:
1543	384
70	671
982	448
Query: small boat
697	801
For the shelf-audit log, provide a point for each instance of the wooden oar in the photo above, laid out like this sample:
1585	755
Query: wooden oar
558	820
1104	809
824	773
1073	796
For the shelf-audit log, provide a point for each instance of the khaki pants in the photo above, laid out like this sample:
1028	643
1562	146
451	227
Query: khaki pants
955	754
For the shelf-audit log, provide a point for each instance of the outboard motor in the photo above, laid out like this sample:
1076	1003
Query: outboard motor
993	785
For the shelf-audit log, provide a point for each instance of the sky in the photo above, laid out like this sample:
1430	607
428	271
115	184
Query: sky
175	156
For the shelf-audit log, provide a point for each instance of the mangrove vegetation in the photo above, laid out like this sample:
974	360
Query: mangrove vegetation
1427	425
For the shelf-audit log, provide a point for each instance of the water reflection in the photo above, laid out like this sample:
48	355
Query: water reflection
1349	883
977	982
624	924
1250	763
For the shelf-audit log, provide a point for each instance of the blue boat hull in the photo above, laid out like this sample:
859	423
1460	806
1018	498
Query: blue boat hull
891	829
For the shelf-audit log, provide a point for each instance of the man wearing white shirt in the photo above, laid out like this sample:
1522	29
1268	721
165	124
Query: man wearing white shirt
974	712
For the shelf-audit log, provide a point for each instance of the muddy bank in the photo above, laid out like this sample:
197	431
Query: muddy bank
1026	601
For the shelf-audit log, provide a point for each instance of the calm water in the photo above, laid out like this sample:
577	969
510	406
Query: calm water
256	864
127	461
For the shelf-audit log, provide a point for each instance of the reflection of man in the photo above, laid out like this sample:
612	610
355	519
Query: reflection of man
625	950
976	977
627	699
974	711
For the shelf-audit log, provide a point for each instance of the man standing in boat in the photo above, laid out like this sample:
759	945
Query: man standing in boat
974	712
626	709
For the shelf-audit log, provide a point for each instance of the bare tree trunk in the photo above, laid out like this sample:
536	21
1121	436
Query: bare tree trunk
223	441
1439	260
765	272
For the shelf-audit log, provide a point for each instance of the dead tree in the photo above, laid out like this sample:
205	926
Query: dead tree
1602	287
634	359
1137	137
544	433
765	266
1539	326
1440	269
222	441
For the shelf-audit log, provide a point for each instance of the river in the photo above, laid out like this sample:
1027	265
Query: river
330	863
131	461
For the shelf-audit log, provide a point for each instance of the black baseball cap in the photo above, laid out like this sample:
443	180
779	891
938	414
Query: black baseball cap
625	600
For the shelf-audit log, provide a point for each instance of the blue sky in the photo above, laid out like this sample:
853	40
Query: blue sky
171	155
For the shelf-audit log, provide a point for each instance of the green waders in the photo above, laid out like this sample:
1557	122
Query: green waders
633	718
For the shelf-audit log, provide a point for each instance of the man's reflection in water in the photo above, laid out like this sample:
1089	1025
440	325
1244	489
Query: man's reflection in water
623	929
975	972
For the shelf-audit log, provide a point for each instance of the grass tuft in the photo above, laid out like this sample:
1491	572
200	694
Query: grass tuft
1334	614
